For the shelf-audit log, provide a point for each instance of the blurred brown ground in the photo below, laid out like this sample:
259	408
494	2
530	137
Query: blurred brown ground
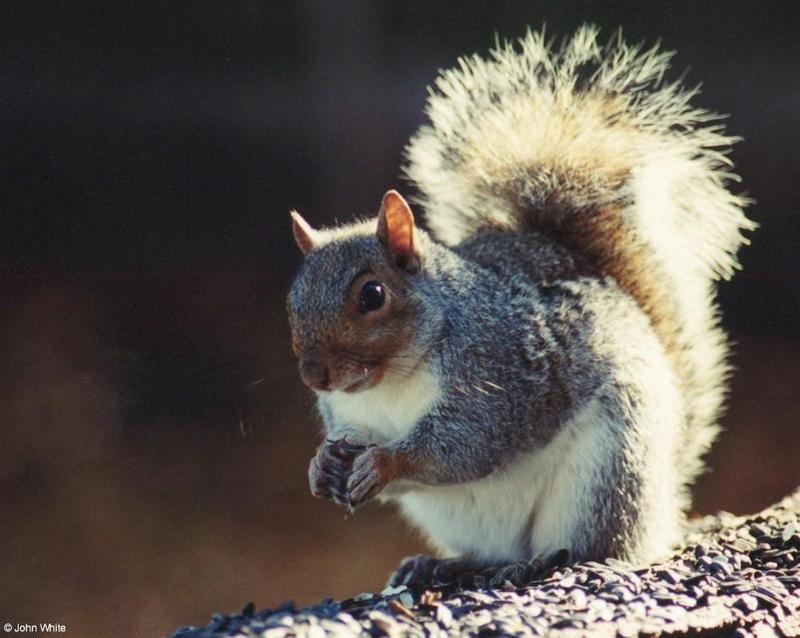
156	526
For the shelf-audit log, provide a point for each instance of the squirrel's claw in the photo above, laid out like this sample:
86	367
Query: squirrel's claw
329	469
324	484
371	472
348	473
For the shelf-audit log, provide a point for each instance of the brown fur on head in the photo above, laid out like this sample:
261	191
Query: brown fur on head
352	308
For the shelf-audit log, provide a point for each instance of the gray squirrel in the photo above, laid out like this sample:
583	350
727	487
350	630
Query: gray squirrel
544	370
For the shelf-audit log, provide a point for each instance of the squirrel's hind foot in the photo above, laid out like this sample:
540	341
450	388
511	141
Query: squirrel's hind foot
421	571
520	573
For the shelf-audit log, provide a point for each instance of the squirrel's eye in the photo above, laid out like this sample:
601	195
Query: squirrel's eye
371	296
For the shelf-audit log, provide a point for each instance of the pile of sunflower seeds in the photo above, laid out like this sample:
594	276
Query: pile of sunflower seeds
736	576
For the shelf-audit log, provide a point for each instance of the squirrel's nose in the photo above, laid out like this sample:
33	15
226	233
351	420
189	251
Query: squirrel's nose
315	375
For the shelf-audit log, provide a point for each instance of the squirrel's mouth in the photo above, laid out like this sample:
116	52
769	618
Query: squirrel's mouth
370	377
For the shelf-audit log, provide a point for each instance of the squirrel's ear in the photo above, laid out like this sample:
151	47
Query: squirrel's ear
396	231
305	236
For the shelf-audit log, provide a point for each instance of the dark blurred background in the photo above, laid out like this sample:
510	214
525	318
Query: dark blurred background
154	436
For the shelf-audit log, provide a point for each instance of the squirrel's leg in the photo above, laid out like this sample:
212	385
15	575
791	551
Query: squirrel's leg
421	457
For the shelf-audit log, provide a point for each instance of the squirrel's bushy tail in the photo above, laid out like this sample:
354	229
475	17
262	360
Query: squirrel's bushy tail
588	143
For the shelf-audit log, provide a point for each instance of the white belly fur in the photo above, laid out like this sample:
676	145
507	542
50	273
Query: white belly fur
533	508
389	410
493	519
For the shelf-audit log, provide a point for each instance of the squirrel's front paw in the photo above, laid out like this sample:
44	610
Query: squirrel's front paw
372	470
330	468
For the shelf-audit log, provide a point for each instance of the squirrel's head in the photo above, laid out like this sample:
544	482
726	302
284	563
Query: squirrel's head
354	307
